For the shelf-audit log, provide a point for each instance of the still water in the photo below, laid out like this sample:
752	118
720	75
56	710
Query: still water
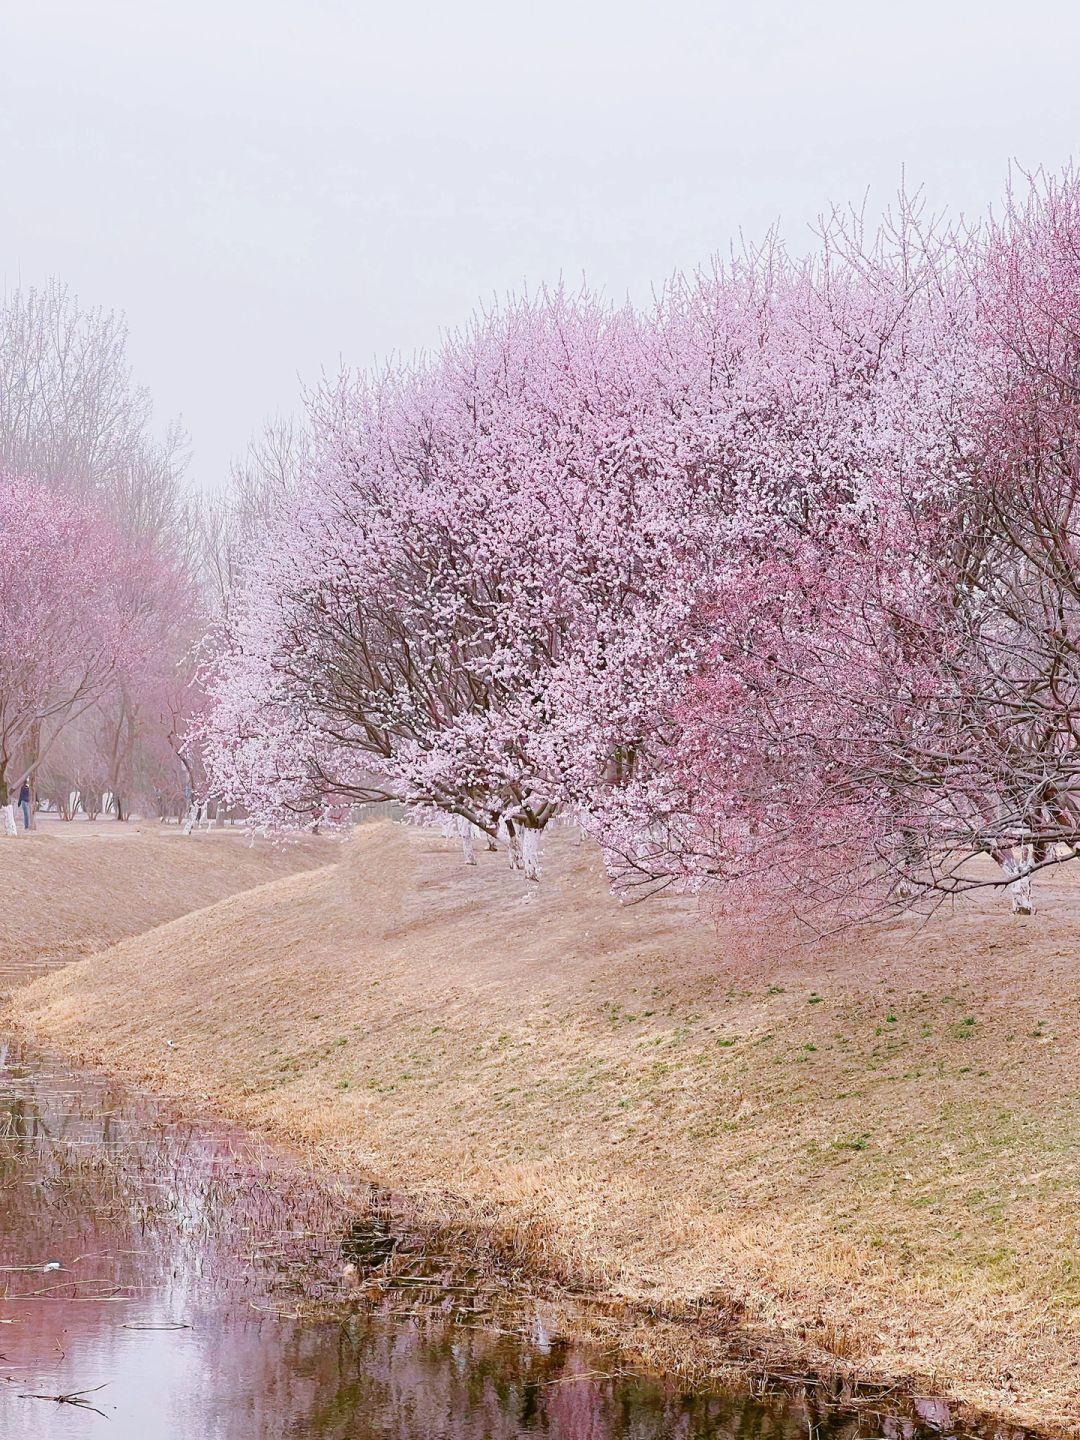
184	1280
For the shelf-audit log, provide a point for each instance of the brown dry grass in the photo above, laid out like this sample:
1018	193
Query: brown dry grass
870	1147
70	889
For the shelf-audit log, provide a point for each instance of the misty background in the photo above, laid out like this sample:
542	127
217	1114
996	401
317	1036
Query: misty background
267	189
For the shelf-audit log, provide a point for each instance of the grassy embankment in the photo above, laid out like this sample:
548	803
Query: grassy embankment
869	1148
70	889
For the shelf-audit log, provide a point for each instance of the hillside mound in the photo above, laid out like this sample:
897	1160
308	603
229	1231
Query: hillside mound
70	889
870	1144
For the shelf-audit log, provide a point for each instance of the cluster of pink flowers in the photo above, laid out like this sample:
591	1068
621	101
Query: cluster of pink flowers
772	588
84	611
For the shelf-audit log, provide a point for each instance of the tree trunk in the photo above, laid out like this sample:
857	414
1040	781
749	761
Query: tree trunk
35	756
1019	892
530	852
468	847
7	809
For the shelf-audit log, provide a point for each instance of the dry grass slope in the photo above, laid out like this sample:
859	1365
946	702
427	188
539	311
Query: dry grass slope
72	889
871	1146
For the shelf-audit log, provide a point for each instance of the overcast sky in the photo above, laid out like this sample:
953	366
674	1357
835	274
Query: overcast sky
268	187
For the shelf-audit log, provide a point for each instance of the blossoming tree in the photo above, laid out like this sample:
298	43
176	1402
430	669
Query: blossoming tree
62	635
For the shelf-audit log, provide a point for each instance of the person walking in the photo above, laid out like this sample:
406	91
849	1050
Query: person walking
24	803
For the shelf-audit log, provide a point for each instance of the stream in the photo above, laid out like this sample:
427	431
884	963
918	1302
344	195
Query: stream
164	1277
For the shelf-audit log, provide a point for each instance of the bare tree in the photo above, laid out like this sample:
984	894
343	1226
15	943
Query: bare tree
225	526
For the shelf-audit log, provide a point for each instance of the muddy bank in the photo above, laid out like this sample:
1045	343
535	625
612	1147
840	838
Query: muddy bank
866	1154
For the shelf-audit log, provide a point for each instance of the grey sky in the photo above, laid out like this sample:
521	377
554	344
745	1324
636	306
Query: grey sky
265	187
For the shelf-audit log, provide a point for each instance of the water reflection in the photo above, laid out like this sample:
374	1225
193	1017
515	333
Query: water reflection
175	1264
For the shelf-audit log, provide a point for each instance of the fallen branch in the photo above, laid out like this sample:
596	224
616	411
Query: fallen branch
73	1397
170	1325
